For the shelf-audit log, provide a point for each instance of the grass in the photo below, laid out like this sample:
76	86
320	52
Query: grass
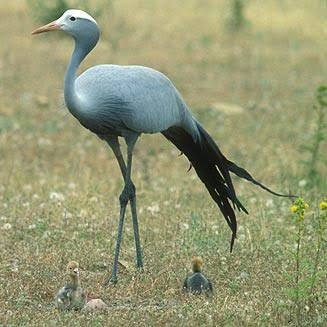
59	184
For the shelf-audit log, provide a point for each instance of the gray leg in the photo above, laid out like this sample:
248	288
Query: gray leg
130	141
139	262
113	277
128	194
114	144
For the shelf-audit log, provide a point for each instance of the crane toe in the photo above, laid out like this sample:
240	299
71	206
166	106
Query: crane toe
112	280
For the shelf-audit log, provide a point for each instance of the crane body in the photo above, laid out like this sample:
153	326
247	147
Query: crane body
130	99
125	101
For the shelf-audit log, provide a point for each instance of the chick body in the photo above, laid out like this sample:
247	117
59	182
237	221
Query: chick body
71	296
198	283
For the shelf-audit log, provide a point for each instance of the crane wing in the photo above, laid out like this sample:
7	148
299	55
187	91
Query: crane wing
136	98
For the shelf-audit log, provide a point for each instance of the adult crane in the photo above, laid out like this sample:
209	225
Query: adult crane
125	101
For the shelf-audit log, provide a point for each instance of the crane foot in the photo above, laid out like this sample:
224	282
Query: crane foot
110	281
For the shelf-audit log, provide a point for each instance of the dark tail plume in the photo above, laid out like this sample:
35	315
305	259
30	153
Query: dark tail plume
239	171
213	168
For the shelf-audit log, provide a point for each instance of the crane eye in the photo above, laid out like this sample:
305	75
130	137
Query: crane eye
72	18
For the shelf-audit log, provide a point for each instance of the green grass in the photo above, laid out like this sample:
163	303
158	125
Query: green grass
59	184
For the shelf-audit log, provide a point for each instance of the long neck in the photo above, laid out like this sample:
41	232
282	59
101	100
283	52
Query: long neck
71	97
83	46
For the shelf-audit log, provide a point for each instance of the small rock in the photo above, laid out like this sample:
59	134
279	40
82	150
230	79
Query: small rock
42	101
95	304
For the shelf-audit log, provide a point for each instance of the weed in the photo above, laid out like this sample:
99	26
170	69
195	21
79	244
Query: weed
320	229
46	11
307	271
236	18
314	149
298	210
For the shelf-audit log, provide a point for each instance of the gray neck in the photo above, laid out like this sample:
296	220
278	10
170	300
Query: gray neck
82	48
72	99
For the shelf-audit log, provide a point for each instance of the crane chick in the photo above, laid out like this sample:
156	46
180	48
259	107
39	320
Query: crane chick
197	282
71	296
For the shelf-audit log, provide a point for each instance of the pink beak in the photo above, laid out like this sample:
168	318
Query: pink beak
46	28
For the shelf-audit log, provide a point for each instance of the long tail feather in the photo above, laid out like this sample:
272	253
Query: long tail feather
239	171
213	168
213	172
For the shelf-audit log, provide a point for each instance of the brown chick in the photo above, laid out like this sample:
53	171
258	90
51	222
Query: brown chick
197	282
71	296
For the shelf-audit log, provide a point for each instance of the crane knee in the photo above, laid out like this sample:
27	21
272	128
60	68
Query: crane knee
128	193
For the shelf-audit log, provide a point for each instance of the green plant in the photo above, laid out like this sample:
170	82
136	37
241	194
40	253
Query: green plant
298	210
236	18
318	137
307	272
46	11
320	229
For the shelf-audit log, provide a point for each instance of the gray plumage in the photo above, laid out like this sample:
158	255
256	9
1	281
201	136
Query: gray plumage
124	101
138	100
197	283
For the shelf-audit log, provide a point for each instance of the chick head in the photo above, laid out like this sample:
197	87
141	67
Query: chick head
73	268
197	263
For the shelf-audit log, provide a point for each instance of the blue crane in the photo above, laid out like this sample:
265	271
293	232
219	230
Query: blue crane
125	101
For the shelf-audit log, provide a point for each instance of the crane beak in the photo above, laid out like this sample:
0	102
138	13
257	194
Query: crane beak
48	27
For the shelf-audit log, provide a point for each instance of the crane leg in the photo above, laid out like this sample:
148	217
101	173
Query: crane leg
139	262
128	194
113	278
130	141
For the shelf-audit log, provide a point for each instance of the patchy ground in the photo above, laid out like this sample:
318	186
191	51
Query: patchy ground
59	184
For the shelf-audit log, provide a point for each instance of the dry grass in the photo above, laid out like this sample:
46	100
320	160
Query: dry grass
59	184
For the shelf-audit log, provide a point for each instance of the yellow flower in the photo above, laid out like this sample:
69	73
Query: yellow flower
323	205
298	209
294	208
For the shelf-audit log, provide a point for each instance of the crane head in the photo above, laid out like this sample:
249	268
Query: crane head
73	21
